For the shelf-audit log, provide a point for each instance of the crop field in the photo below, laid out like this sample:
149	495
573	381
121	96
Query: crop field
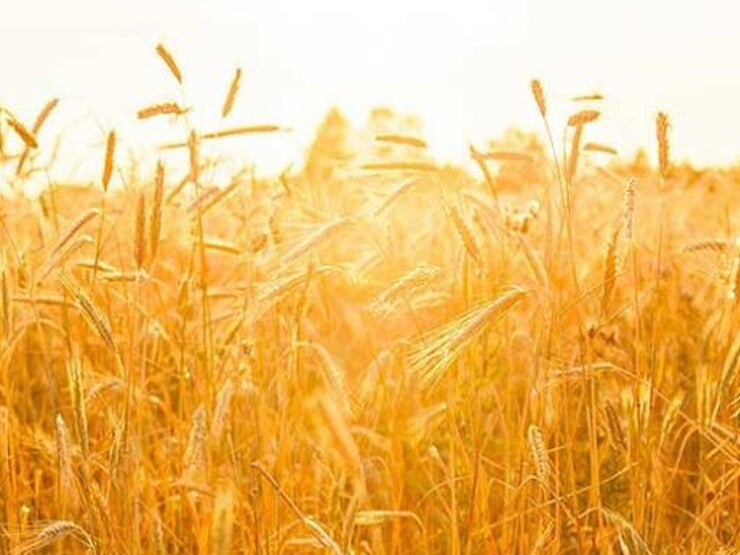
374	353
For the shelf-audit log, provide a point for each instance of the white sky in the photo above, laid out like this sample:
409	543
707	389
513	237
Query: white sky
463	66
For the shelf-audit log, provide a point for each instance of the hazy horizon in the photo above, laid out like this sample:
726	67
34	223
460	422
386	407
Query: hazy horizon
463	68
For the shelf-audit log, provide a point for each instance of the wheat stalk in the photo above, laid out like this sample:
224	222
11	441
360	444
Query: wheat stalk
24	134
320	235
434	351
588	97
193	145
196	454
575	149
734	292
110	151
212	243
661	130
169	61
140	232
339	428
158	536
599	147
418	278
222	523
324	538
6	468
155	221
76	391
481	161
466	235
231	95
539	96
5	299
221	411
53	532
91	313
245	130
64	254
616	431
629	211
583	117
539	453
716	245
40	119
404	187
81	222
610	268
67	492
162	109
231	132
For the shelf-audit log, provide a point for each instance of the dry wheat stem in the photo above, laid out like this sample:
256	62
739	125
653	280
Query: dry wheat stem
588	97
222	524
430	356
162	109
611	268
539	96
599	147
81	222
54	531
231	95
90	311
66	483
140	232
40	119
155	220
110	151
539	453
24	134
583	117
466	235
169	61
195	461
661	130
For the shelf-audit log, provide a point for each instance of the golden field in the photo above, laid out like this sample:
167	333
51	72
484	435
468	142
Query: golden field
373	353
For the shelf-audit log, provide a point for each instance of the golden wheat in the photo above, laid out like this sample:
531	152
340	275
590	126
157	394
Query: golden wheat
140	232
40	119
110	151
24	134
539	96
163	109
661	131
169	61
583	117
231	95
155	219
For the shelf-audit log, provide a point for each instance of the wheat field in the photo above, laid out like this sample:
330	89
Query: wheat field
373	353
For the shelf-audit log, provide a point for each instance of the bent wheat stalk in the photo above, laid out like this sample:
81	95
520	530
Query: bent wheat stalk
435	351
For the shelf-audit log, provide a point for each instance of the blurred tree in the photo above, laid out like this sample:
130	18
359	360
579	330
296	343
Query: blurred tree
383	120
330	147
513	174
640	165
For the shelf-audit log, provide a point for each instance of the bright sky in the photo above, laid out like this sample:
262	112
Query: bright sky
463	66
